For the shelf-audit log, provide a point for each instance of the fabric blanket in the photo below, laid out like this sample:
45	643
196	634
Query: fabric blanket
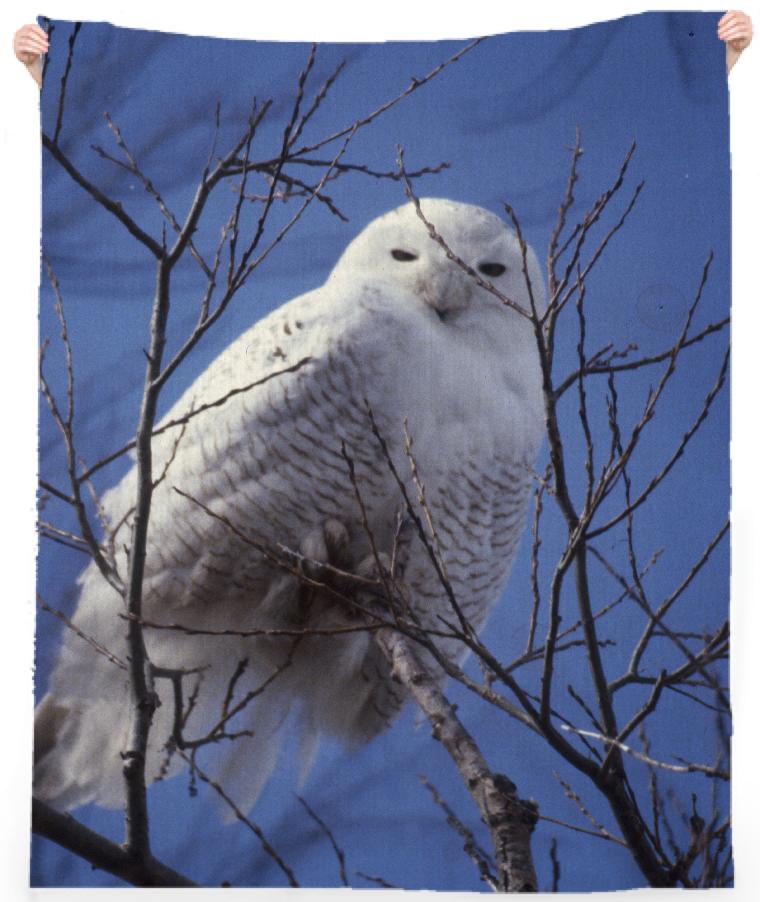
384	401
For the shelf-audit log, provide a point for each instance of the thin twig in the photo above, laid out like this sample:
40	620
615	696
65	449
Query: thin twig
339	853
100	649
471	847
64	81
688	768
191	414
252	826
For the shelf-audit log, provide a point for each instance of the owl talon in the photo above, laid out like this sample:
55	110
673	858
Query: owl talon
368	568
370	597
336	540
325	544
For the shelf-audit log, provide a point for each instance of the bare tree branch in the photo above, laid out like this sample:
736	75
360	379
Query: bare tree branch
100	852
689	768
509	820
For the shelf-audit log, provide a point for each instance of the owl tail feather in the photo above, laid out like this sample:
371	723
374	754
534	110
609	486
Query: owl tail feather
248	762
47	722
77	753
70	745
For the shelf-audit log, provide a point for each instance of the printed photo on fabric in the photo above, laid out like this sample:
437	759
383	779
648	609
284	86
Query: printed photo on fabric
384	461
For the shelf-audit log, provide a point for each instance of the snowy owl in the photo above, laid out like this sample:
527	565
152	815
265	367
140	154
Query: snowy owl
397	325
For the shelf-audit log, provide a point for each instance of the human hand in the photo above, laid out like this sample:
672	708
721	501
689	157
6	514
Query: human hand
735	28
28	43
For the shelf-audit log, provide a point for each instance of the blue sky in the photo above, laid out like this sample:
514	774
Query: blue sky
503	117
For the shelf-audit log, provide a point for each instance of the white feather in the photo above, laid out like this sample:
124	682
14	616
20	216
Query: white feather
422	342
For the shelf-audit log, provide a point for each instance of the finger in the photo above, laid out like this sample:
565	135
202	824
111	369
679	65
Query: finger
38	42
733	33
27	35
728	19
32	47
34	41
738	19
36	32
25	31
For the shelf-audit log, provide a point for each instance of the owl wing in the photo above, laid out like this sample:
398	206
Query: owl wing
258	465
259	469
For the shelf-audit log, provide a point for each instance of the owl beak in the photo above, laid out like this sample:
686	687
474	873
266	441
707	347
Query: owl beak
447	291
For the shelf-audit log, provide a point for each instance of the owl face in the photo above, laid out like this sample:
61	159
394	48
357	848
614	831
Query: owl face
397	250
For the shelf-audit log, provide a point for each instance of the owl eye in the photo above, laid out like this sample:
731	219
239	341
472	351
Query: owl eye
402	256
492	270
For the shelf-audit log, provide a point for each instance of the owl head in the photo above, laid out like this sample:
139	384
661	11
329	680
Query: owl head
397	249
